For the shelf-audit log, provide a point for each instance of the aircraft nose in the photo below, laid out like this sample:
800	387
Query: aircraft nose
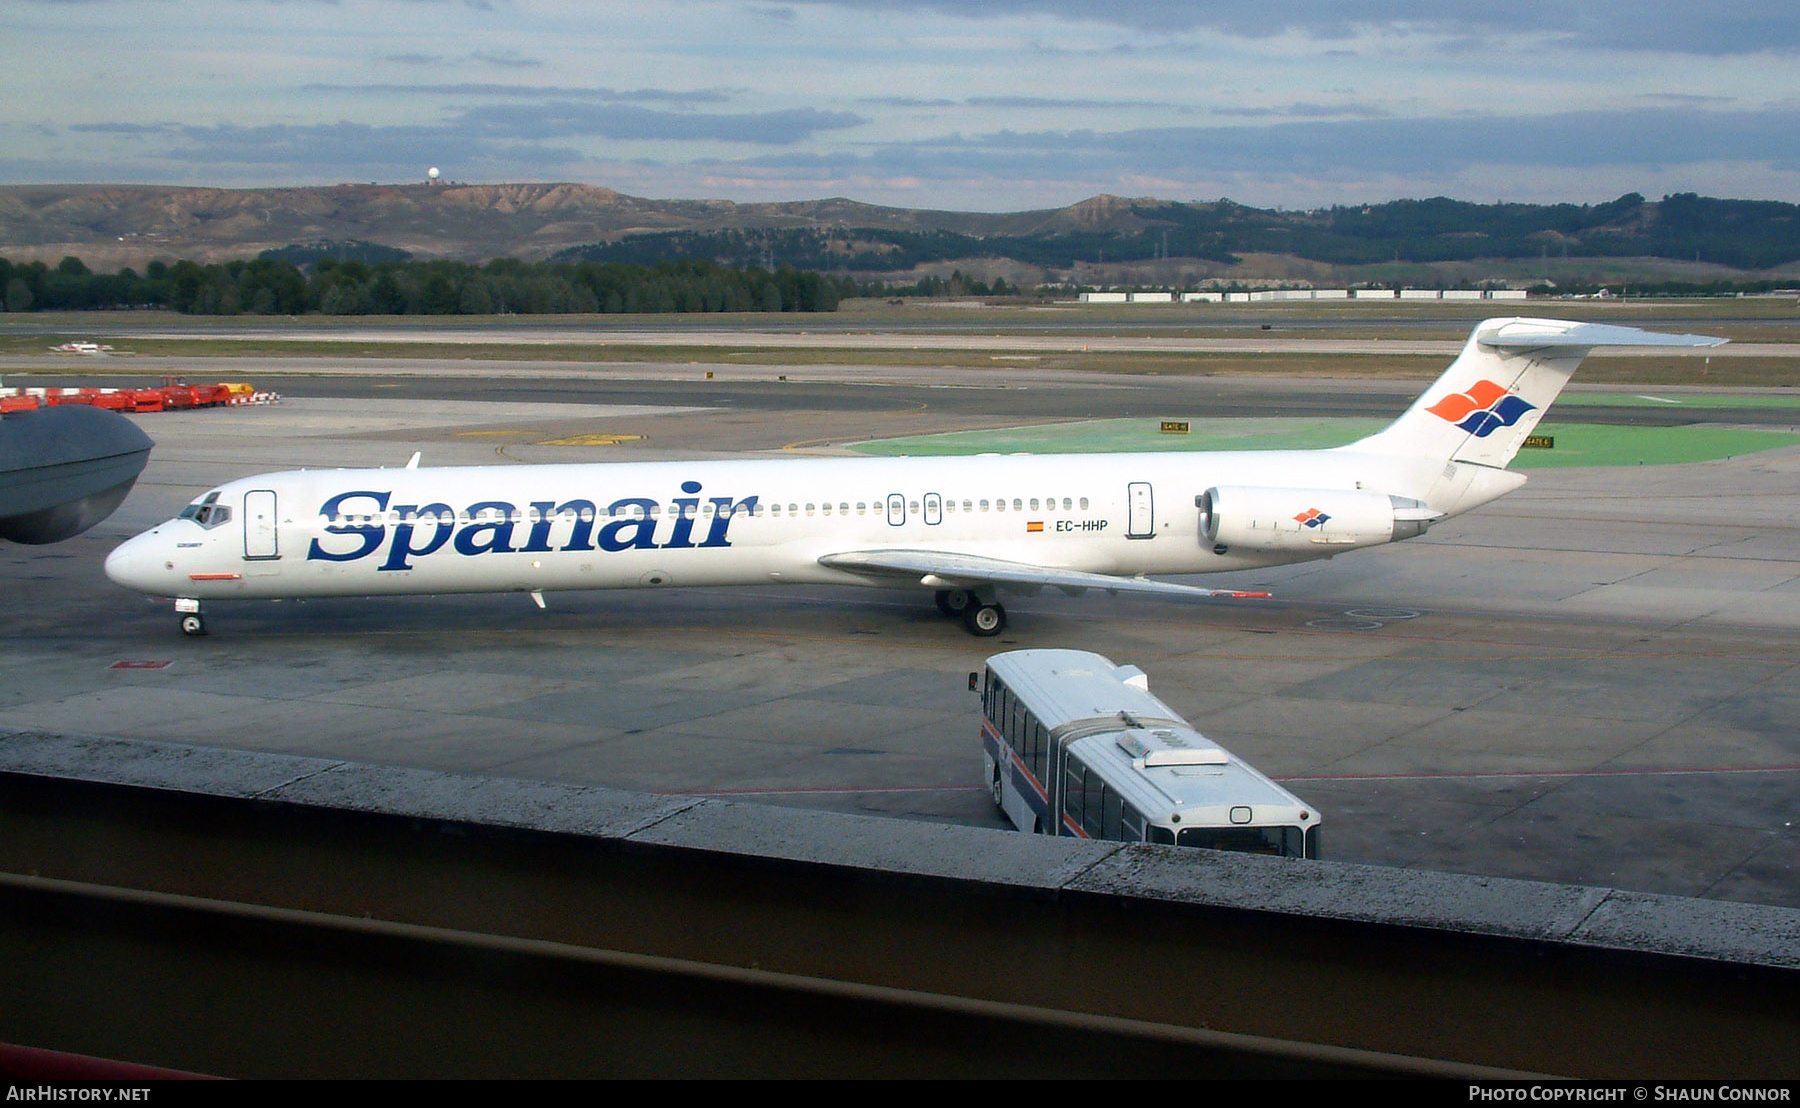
138	563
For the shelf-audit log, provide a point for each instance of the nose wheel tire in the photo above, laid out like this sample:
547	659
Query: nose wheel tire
193	625
984	620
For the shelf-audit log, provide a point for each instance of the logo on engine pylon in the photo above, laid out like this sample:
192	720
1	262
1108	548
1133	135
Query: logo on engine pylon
1312	517
1485	408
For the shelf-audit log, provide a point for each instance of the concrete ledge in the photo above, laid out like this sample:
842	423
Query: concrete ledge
1717	931
165	857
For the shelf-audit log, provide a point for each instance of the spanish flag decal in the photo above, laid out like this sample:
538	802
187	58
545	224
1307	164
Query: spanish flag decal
1034	527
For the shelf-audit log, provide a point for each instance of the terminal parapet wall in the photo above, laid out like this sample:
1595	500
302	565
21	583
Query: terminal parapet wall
263	915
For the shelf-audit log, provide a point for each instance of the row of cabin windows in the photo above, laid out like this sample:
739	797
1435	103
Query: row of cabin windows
1086	799
1097	808
1018	504
638	511
1017	726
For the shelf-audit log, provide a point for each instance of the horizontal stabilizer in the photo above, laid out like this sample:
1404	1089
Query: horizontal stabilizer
938	569
1533	334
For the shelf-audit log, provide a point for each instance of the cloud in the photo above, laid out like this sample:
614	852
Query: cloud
531	92
507	59
1027	103
511	139
1656	26
1304	110
122	128
1048	103
1350	149
356	150
569	118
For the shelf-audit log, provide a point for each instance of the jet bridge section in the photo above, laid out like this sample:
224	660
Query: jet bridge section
259	915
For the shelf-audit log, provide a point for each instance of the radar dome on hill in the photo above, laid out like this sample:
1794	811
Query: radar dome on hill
432	173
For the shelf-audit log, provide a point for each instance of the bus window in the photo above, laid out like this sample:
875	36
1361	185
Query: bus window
1074	786
1112	812
1248	840
1092	805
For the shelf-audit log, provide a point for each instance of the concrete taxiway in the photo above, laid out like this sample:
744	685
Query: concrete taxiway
1595	680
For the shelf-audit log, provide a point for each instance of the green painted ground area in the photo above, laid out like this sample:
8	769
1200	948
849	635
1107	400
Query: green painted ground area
1577	444
1594	444
1650	398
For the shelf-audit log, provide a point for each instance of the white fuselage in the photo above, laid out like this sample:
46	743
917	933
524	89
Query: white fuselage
632	525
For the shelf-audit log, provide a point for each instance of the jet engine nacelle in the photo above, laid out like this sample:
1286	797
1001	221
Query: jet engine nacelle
1264	519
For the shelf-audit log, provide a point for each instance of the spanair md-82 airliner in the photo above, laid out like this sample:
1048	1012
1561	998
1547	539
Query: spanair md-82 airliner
965	528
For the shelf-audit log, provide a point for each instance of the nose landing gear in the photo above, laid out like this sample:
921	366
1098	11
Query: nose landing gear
193	624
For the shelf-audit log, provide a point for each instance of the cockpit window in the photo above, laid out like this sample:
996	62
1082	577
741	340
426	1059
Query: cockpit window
207	511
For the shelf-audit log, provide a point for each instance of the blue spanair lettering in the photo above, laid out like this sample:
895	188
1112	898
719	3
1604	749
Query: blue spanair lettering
581	526
543	515
642	527
441	518
369	534
725	509
581	535
489	526
496	530
683	509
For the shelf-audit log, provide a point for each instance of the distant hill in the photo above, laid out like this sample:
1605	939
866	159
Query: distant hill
1105	239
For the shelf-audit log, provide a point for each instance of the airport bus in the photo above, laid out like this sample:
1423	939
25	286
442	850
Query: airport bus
1074	745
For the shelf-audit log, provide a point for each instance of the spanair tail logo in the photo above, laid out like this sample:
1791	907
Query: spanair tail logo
1485	408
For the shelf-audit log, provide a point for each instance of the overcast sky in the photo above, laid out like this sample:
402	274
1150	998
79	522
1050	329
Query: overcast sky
996	105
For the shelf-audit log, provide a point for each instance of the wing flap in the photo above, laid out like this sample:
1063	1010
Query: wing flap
941	569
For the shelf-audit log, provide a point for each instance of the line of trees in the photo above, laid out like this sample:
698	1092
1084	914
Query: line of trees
880	249
274	285
1746	234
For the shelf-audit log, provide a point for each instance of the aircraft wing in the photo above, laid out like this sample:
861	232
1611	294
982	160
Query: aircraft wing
939	569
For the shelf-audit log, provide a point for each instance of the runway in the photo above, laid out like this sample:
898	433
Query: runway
1595	680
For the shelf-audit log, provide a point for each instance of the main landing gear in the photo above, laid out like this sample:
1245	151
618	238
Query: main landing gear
980	614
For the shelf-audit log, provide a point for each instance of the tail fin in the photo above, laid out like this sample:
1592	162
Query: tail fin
1482	408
